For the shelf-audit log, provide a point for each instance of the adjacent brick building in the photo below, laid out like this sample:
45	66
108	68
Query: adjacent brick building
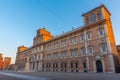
118	49
117	59
4	62
1	60
89	48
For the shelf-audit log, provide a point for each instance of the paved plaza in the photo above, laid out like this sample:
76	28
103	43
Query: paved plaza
5	75
25	77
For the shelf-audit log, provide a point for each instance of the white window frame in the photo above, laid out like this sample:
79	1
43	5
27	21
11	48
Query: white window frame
99	32
71	53
82	38
92	17
89	50
89	35
63	43
76	52
71	41
56	55
63	54
83	54
99	16
86	21
74	40
105	48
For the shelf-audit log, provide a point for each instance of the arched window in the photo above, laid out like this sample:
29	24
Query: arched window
98	16
92	17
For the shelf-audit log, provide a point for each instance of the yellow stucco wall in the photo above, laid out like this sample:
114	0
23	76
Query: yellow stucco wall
110	32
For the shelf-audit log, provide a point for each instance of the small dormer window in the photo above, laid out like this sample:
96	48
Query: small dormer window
92	17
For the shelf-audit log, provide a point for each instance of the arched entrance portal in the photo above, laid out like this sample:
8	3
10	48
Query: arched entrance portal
99	66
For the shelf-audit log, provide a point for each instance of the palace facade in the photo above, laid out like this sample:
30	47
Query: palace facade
89	48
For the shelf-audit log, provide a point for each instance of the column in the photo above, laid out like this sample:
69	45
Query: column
31	66
112	65
103	65
35	66
94	66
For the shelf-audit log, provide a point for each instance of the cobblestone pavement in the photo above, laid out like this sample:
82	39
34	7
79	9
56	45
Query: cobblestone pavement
72	76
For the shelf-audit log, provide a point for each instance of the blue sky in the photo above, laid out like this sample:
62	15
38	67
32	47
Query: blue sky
19	19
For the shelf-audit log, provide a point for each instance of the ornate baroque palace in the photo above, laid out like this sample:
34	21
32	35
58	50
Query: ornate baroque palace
90	48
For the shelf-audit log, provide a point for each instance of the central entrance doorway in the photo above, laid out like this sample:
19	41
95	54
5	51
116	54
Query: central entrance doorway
99	66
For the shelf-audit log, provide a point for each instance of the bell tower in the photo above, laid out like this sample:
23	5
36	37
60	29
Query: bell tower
101	15
42	36
99	18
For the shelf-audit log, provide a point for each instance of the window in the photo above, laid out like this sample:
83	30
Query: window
71	65
71	52
63	54
63	43
43	65
92	17
88	35
90	51
48	56
46	65
56	55
74	40
49	65
84	65
74	52
53	65
87	21
61	65
101	32
98	16
82	38
83	51
76	65
70	41
65	64
49	47
56	45
104	48
56	65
